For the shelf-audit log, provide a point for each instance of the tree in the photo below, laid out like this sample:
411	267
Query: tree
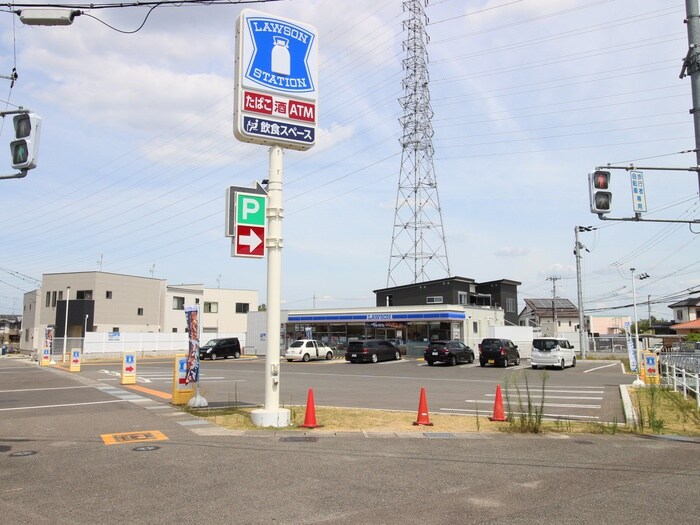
262	308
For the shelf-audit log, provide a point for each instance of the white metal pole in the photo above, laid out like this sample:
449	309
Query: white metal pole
65	327
272	415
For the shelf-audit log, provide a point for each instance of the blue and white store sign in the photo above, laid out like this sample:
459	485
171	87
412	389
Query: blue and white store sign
276	81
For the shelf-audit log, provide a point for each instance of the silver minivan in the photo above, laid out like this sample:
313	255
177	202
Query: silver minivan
552	351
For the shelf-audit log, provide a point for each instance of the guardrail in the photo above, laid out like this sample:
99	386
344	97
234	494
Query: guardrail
681	372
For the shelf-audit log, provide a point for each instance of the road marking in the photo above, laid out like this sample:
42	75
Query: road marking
43	389
150	391
538	395
558	405
132	437
546	416
66	405
600	367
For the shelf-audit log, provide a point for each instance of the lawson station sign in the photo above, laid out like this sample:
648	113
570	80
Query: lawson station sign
275	99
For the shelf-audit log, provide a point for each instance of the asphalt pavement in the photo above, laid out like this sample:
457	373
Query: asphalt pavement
74	450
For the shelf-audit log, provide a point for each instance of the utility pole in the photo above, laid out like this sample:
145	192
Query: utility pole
691	66
583	330
554	303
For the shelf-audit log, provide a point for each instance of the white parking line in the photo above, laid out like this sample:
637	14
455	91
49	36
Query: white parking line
43	389
486	412
538	395
600	367
558	405
65	405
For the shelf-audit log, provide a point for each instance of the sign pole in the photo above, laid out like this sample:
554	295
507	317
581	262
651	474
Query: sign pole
271	415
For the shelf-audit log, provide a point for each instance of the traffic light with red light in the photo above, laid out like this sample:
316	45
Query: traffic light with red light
599	191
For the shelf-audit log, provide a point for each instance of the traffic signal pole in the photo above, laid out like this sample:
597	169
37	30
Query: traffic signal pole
691	66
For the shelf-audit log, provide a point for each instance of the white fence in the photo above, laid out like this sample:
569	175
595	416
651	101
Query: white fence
151	344
682	372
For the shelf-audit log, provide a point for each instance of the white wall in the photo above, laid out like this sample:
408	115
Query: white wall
520	335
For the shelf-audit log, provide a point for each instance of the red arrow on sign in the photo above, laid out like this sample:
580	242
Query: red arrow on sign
129	369
76	361
651	370
249	241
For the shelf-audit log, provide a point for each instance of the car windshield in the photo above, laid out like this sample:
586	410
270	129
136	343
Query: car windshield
296	344
544	344
490	344
211	342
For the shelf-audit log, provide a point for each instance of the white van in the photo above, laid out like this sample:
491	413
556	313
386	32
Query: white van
552	351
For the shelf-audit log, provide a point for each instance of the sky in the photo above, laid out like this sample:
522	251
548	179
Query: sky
137	149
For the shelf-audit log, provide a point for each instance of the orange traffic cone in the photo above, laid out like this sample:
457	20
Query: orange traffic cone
498	414
423	417
310	416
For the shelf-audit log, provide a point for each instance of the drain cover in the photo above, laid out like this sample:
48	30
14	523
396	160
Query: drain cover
145	448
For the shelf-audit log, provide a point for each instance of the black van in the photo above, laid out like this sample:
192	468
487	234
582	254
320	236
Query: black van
498	351
216	348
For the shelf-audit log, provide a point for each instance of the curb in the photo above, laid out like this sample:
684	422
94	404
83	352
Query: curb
630	414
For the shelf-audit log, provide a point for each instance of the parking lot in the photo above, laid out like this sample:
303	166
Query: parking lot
72	450
588	392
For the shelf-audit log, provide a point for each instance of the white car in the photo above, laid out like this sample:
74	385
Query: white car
308	349
552	351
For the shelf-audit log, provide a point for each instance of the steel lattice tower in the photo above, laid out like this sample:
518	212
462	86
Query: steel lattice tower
418	247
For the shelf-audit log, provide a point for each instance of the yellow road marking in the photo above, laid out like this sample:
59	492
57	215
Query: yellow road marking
150	391
131	437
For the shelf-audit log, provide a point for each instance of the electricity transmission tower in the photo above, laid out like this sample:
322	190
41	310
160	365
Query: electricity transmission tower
418	247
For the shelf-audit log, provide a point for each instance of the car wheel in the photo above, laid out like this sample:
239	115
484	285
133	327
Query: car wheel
236	354
573	362
534	367
562	365
289	360
431	363
397	355
471	359
482	363
329	355
453	361
517	360
212	356
374	358
505	363
306	358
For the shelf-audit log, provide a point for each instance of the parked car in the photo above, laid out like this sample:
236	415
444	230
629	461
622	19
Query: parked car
448	352
552	351
372	350
215	348
501	351
308	349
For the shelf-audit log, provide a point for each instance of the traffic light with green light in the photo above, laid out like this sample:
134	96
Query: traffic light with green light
25	147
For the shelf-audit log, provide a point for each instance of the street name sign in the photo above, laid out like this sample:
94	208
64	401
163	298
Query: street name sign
275	90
